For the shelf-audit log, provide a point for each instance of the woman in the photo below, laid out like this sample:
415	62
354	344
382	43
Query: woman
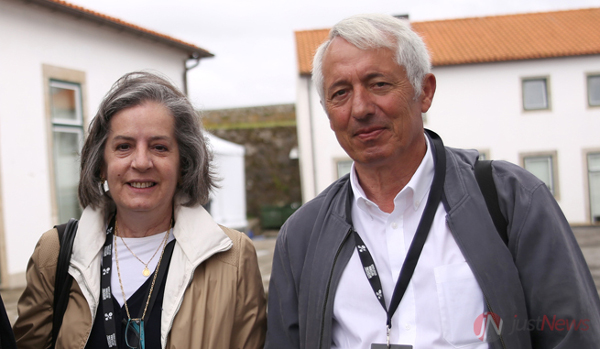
145	173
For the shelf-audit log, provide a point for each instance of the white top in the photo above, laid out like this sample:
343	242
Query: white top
442	300
131	268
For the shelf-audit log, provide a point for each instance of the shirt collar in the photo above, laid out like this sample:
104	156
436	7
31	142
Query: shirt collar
419	185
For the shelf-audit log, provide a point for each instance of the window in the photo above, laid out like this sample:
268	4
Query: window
542	166
535	94
67	139
483	154
593	160
343	167
593	84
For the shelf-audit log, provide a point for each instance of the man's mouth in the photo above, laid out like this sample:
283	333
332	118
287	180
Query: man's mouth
369	132
142	185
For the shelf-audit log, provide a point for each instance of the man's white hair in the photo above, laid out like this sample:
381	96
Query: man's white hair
374	31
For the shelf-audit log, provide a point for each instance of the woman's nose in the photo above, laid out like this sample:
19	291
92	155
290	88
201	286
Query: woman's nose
141	159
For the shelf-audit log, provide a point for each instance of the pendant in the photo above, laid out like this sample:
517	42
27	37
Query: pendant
146	272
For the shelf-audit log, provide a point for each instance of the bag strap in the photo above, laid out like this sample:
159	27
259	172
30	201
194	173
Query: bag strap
7	338
485	180
63	281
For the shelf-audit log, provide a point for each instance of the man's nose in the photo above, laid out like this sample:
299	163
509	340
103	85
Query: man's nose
362	103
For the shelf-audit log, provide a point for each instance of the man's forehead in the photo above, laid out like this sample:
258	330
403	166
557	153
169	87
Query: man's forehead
343	52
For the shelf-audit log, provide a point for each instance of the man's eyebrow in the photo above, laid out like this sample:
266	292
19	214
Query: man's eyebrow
374	75
368	77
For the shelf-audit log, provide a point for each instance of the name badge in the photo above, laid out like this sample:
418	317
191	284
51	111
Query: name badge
392	346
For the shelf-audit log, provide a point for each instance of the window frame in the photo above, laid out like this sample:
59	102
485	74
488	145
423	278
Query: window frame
336	166
68	78
68	85
588	77
546	80
484	154
552	155
586	174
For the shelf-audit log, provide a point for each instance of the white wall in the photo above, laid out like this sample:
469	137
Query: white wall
32	36
479	106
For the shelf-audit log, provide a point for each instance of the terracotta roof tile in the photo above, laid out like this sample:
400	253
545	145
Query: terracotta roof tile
79	11
492	39
307	42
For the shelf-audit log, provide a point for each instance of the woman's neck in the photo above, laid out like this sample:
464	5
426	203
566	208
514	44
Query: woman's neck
137	226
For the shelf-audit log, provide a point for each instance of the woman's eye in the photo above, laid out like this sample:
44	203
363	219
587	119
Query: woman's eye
160	148
123	147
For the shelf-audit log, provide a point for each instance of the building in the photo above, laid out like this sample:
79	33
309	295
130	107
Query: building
523	88
268	133
58	61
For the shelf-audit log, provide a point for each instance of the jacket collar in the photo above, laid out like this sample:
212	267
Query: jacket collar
199	236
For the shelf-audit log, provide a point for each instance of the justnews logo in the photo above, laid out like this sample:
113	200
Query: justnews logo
488	326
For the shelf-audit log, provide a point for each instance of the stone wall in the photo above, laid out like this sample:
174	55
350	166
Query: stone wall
269	134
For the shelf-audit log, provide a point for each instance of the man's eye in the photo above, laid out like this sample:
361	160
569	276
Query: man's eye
380	84
339	93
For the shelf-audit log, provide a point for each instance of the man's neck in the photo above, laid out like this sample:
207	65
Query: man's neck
382	183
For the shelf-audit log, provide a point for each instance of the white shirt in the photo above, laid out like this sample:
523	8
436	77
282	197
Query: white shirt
442	300
131	268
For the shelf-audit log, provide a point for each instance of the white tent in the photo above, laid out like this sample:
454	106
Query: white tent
228	203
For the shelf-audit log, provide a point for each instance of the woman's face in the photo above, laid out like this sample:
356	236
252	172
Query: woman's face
141	159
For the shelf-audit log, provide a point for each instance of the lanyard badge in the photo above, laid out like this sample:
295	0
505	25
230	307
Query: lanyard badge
414	252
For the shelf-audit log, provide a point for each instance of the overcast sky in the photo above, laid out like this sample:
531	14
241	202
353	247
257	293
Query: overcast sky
253	40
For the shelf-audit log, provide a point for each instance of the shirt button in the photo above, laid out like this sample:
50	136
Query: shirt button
394	225
407	327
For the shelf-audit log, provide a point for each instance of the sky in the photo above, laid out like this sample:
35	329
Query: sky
253	40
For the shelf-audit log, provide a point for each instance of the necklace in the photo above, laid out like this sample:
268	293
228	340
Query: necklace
138	324
146	271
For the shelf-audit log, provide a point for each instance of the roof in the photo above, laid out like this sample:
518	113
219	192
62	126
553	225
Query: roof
96	17
491	39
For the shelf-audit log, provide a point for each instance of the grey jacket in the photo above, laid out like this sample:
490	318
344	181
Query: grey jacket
540	279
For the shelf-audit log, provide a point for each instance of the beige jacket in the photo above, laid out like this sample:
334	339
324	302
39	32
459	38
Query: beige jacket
213	297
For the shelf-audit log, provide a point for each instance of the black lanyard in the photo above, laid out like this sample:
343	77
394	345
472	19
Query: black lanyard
106	291
105	283
412	257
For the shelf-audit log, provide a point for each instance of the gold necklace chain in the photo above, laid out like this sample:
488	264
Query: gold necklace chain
153	279
146	271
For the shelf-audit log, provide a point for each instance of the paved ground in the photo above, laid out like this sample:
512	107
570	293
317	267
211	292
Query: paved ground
589	241
588	238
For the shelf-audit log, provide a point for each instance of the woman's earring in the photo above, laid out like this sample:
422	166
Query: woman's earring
104	184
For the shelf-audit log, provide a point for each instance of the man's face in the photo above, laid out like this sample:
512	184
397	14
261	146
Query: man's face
370	104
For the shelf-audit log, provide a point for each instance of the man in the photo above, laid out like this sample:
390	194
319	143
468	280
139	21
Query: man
403	253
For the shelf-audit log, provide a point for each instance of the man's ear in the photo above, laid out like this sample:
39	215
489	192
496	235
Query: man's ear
427	92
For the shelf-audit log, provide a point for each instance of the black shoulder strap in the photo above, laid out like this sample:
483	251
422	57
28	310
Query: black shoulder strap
7	338
63	281
485	180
